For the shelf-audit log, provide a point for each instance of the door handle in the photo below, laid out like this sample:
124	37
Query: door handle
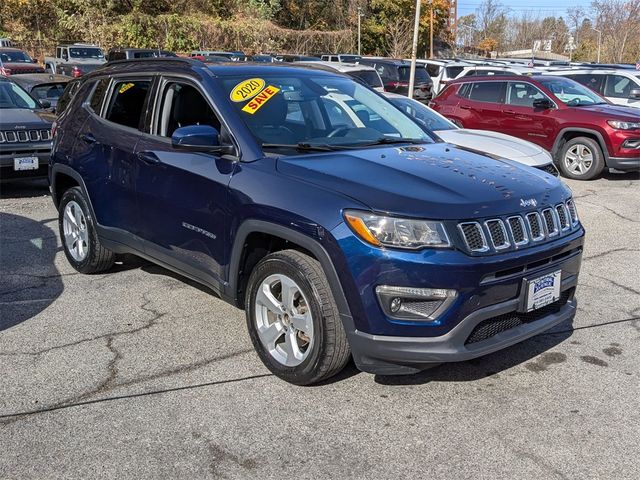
149	158
509	112
88	138
465	107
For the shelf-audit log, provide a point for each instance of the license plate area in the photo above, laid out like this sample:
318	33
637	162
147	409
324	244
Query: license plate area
540	291
25	163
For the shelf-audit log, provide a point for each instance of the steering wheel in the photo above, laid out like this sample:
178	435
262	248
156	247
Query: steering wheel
336	131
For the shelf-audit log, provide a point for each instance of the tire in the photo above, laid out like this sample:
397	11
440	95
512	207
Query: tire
78	234
581	158
323	348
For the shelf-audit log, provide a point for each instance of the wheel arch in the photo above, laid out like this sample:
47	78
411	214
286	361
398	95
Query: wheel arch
62	178
570	133
239	264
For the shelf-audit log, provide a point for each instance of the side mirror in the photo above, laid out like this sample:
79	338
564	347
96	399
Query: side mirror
45	103
543	103
634	93
199	138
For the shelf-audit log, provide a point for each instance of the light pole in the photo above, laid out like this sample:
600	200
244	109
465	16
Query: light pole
359	34
599	41
414	50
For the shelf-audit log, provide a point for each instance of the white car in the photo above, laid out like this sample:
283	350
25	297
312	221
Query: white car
619	86
442	71
366	74
483	70
492	143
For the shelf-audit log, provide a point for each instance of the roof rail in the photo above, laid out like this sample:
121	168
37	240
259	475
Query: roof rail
134	61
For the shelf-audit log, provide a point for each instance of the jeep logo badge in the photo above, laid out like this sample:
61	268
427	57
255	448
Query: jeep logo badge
530	202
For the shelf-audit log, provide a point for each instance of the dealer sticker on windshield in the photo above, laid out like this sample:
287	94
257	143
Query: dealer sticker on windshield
542	291
246	89
260	99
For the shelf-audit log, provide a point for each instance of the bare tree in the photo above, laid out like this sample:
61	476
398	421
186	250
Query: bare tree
398	37
619	21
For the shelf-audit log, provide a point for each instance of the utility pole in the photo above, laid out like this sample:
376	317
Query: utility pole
599	41
431	33
414	50
359	35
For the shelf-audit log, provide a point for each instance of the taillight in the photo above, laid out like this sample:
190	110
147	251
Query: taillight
76	72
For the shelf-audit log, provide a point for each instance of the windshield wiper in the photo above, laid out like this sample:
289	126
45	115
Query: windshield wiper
391	141
305	147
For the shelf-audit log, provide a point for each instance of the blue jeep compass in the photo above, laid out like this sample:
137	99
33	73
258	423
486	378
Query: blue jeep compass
342	227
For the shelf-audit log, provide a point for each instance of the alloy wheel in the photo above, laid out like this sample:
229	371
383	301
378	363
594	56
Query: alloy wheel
76	235
578	159
283	320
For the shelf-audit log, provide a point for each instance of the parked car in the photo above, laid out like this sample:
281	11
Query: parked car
367	75
43	86
296	58
212	59
249	186
261	58
621	87
347	58
129	53
5	42
442	71
395	77
233	56
488	70
75	60
25	133
14	61
583	131
497	145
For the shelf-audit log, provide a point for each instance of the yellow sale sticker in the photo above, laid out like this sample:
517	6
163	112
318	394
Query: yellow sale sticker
260	99
246	89
125	87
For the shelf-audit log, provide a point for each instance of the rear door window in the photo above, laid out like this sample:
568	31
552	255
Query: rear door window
618	86
490	92
127	102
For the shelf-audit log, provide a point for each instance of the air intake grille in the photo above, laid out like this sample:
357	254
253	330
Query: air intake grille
551	168
493	326
518	231
474	236
22	136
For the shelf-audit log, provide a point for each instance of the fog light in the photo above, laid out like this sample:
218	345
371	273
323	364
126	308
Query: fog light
395	305
422	304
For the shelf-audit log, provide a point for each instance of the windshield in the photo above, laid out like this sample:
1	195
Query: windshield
328	111
571	93
349	58
369	77
86	53
432	120
421	74
13	96
15	57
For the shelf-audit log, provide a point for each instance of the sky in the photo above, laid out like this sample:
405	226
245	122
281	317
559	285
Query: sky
542	8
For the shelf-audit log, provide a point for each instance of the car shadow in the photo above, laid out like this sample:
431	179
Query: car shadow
492	364
30	281
24	189
620	176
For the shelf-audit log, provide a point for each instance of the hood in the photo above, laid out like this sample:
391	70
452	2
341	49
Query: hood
612	112
495	144
437	181
13	118
20	67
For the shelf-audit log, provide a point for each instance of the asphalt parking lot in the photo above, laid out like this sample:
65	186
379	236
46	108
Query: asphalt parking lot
140	374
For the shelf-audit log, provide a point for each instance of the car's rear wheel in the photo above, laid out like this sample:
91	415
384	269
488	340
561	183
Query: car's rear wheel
293	320
80	241
581	158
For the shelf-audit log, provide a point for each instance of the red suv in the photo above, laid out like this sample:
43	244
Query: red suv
583	131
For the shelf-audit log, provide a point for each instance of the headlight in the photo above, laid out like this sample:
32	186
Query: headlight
380	230
620	125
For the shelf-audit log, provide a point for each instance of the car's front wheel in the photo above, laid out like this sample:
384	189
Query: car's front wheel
293	320
80	240
581	158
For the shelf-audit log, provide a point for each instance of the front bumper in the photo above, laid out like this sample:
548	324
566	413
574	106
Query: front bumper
406	355
7	172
